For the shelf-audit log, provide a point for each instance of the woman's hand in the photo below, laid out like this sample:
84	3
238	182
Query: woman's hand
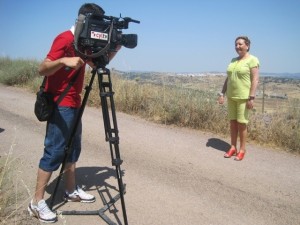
221	100
250	104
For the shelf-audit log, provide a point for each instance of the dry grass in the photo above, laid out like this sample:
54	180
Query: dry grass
13	196
190	101
14	192
271	117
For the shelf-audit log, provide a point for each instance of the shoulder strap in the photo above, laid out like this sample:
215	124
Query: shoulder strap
42	87
68	87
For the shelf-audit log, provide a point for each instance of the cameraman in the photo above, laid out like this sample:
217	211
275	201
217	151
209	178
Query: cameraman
60	65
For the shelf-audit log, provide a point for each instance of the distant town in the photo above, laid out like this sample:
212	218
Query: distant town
194	74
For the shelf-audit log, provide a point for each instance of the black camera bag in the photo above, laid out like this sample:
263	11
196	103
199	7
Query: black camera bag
44	104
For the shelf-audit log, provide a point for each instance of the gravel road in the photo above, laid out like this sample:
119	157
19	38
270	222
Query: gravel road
173	176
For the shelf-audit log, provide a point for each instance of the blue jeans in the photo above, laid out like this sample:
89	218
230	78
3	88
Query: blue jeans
58	132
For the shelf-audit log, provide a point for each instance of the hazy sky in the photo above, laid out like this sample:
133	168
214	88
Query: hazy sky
173	36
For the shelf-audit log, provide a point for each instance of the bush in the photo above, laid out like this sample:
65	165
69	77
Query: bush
17	72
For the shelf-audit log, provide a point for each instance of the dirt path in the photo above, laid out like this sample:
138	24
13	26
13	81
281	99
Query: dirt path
172	175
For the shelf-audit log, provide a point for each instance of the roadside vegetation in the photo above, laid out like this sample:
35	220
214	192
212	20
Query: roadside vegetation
175	102
12	195
180	101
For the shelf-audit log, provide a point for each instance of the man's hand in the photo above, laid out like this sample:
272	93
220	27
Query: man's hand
72	62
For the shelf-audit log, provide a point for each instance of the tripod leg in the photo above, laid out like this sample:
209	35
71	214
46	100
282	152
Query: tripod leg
111	129
69	142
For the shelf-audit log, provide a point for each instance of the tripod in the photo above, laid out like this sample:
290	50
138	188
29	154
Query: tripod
111	135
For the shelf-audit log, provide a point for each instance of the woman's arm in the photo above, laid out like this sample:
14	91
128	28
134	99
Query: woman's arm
254	73
221	95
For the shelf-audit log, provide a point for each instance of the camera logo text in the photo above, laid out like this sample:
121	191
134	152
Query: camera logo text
99	35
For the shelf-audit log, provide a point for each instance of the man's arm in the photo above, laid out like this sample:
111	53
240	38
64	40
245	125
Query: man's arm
48	67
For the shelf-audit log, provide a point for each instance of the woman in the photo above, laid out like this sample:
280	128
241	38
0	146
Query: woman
240	87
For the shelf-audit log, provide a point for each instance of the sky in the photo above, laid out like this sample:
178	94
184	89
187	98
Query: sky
173	36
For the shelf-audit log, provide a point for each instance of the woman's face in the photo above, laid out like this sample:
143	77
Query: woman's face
241	47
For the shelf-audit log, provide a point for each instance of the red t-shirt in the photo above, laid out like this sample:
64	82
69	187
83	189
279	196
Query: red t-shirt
63	47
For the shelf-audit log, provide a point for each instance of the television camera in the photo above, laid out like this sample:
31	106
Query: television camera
95	35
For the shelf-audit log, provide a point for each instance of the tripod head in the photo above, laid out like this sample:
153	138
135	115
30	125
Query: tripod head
101	61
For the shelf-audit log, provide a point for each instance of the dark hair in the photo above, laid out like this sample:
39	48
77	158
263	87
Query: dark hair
246	39
91	8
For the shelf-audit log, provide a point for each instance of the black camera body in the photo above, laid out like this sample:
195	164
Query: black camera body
97	35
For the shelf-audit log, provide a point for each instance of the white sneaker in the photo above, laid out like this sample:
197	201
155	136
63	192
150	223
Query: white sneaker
79	196
42	212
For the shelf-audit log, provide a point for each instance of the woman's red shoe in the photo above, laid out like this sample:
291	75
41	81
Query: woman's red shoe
240	156
230	153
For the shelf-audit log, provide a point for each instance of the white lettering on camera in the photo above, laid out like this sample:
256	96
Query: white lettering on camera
99	35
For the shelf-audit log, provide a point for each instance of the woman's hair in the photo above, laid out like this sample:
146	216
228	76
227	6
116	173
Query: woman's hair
246	39
91	8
